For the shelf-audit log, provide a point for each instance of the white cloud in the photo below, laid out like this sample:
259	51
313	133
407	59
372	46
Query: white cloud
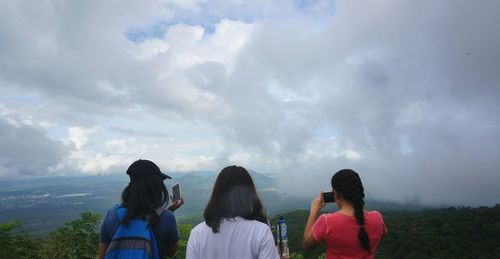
151	48
191	163
240	158
79	136
351	154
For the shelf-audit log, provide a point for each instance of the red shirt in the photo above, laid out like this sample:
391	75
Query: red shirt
340	232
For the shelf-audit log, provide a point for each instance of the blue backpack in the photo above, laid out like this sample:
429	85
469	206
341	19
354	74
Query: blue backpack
135	240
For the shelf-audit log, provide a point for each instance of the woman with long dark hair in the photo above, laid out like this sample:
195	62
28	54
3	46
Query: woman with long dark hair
235	223
350	232
145	198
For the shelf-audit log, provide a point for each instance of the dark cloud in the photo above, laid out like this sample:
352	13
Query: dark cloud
395	82
26	150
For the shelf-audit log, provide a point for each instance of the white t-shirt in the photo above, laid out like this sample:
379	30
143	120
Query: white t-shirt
237	238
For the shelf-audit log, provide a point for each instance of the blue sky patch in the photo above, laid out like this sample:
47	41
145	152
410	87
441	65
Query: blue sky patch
207	21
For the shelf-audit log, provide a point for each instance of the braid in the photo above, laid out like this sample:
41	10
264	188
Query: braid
360	217
348	183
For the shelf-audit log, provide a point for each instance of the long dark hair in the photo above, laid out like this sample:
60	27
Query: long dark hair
348	184
233	195
142	197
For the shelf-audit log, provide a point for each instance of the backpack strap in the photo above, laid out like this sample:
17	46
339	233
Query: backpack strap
120	212
156	240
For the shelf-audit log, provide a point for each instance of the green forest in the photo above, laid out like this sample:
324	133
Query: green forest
462	232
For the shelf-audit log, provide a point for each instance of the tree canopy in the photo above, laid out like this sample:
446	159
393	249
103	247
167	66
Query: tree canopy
438	233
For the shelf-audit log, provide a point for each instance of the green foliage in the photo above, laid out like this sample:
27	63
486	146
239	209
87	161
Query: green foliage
4	228
296	256
443	233
439	233
77	239
14	246
184	230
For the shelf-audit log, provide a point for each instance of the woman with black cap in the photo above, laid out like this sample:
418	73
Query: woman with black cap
350	232
145	197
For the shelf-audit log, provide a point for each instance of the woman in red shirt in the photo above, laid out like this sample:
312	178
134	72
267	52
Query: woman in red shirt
350	232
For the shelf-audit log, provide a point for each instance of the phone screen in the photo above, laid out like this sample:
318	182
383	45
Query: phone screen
176	192
328	197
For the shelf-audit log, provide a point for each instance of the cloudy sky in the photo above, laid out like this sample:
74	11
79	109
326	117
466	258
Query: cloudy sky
404	92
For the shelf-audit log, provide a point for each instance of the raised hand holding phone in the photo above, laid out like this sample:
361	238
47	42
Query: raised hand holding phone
328	197
176	197
176	192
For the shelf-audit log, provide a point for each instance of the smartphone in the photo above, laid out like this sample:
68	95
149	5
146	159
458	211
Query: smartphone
328	197
176	192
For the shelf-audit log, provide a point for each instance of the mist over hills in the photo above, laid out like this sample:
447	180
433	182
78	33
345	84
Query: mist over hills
44	204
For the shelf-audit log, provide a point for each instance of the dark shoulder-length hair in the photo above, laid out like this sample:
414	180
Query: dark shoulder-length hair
234	195
142	197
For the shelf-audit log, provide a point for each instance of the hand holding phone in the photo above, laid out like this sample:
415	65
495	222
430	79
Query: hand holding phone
176	197
176	192
328	197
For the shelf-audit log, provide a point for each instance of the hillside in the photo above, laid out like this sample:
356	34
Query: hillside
437	233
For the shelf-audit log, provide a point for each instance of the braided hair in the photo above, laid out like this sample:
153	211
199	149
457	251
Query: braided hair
348	184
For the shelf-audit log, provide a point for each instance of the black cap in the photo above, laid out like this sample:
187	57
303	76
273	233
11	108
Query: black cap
142	168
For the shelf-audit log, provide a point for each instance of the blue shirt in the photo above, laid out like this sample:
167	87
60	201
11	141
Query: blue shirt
166	230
